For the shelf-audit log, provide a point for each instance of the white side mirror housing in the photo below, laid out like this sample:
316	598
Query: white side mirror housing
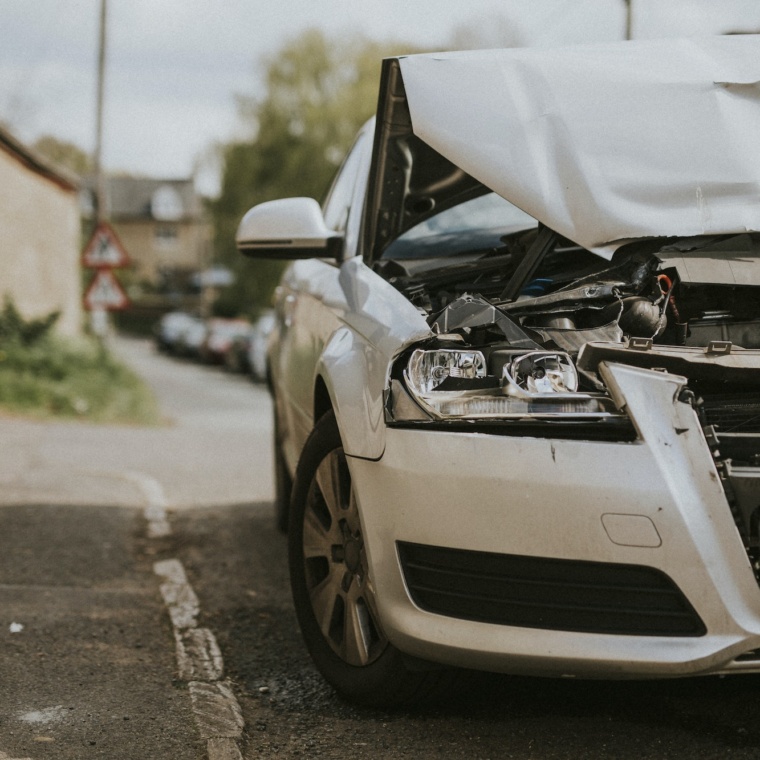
289	228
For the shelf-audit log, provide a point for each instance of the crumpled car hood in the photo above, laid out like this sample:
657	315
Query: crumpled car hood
603	143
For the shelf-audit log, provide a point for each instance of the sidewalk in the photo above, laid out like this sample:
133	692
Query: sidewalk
86	652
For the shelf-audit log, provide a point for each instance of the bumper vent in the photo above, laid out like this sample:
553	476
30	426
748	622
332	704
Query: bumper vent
553	594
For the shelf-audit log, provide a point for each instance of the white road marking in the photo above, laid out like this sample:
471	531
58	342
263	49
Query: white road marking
198	655
156	503
171	570
178	594
222	749
216	711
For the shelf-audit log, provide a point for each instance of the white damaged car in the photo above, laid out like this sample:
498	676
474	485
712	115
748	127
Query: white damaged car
516	371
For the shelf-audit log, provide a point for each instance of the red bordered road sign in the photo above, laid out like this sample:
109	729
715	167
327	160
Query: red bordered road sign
105	292
104	249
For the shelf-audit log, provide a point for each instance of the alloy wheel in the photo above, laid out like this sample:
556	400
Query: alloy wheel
335	564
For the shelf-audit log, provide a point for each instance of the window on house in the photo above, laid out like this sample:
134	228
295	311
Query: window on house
166	236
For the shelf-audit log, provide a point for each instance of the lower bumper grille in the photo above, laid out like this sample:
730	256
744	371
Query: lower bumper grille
553	594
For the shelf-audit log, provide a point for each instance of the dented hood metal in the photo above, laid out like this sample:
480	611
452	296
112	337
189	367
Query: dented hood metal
603	143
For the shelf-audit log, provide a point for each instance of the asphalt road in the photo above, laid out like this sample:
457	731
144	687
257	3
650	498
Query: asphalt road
88	665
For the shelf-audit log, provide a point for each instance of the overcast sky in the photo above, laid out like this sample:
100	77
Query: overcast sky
174	66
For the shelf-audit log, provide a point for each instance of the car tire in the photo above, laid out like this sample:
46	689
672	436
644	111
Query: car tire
332	591
283	483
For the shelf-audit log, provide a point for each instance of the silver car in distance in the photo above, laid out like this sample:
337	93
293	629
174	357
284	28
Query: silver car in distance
516	371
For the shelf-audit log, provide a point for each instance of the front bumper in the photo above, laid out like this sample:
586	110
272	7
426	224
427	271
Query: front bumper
656	503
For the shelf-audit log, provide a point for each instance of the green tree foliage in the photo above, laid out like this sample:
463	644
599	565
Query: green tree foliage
318	92
65	154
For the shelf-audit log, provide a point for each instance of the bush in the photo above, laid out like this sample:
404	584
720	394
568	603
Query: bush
43	374
15	329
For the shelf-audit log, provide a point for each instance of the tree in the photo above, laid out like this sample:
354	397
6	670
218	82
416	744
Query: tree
64	153
318	92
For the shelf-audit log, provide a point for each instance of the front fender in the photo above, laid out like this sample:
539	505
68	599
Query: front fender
355	374
377	323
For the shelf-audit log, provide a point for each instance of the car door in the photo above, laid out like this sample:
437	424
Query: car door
310	304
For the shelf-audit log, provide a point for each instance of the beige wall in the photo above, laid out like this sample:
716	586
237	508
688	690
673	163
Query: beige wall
39	245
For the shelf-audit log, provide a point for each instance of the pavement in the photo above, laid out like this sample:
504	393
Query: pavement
86	662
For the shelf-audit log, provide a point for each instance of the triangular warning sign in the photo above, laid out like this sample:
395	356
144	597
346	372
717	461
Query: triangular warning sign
105	292
104	249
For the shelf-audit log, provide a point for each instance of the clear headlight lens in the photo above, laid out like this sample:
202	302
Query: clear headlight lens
539	372
534	384
428	369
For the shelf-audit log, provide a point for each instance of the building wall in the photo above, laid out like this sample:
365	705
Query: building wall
154	245
39	244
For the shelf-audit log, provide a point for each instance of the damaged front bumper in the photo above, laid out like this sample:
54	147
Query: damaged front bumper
554	556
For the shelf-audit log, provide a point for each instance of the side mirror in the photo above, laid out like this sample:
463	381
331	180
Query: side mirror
290	228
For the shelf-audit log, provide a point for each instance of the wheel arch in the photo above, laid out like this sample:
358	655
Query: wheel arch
322	400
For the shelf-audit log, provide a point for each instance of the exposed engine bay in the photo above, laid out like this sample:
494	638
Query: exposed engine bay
690	292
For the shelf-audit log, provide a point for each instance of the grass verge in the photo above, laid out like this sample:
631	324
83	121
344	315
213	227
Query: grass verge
56	377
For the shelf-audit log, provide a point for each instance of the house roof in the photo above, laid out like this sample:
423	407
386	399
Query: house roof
140	198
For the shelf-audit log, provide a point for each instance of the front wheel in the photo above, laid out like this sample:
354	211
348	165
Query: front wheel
332	589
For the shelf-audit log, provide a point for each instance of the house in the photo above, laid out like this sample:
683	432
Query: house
41	236
162	225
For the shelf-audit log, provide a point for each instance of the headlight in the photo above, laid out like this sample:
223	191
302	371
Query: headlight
428	369
455	383
539	372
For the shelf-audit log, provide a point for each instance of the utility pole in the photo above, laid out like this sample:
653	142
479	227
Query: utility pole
628	20
99	181
98	314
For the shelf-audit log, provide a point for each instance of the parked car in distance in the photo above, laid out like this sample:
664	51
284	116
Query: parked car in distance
515	370
191	338
169	330
257	346
220	335
236	358
247	353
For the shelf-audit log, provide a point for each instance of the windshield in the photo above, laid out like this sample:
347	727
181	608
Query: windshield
477	225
